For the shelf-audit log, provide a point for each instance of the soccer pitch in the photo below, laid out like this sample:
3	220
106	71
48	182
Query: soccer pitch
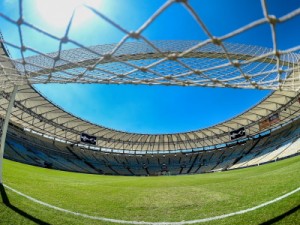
152	199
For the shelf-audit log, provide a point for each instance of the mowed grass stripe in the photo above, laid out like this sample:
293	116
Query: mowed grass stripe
156	198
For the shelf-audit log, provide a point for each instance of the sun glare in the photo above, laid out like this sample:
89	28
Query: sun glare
57	13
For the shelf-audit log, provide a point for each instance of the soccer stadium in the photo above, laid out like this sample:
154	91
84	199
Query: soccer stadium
58	166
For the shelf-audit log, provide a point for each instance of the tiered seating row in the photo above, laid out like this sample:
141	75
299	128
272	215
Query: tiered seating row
39	151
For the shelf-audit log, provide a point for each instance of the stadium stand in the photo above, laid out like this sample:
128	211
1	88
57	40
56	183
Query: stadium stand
26	147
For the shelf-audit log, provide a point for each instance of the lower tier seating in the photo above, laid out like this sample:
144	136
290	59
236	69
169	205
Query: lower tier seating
32	149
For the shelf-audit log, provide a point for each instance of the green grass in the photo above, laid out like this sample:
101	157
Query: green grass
173	198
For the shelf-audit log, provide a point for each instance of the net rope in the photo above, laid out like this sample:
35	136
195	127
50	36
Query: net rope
211	62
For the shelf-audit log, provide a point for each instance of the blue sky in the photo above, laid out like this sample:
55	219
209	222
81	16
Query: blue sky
148	109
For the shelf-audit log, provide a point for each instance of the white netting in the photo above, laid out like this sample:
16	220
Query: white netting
211	62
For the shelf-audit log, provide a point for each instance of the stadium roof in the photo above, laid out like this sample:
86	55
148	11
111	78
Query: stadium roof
34	112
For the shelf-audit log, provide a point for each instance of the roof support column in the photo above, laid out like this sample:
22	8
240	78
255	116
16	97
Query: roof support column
4	128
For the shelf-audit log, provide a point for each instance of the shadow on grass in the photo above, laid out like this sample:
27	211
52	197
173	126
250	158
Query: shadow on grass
6	202
282	216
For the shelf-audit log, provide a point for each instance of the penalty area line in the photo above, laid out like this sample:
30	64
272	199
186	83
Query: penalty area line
152	223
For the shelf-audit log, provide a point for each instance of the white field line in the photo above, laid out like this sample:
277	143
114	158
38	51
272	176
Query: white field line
153	223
